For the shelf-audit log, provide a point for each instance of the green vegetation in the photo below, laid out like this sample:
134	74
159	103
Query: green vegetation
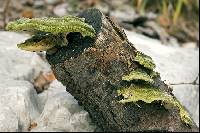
173	9
149	94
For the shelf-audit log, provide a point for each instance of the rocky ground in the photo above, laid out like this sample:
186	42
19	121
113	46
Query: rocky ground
54	109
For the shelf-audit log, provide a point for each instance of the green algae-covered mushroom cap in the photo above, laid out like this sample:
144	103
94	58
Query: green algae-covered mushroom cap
53	25
53	28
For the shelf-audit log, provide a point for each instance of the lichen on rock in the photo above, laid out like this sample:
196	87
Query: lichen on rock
149	94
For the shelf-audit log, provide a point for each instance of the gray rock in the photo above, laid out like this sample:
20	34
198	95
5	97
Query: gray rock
64	9
8	116
18	64
191	45
103	7
124	14
17	67
45	129
61	10
189	96
52	2
61	111
39	3
18	105
54	88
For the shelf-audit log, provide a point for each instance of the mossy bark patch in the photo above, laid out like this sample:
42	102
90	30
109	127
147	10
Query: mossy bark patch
149	94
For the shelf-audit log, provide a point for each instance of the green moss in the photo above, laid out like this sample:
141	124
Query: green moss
138	74
145	60
53	25
148	94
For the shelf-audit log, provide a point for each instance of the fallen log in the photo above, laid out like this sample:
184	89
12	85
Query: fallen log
115	82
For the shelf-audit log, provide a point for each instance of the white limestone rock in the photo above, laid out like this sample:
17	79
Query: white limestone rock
189	96
61	111
54	88
8	116
18	64
18	105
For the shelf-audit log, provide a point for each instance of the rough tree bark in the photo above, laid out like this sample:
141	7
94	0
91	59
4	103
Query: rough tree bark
91	70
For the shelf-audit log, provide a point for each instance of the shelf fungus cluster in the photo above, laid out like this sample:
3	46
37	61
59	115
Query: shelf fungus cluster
148	93
49	33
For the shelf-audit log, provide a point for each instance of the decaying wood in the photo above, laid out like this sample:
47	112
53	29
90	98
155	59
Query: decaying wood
91	70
